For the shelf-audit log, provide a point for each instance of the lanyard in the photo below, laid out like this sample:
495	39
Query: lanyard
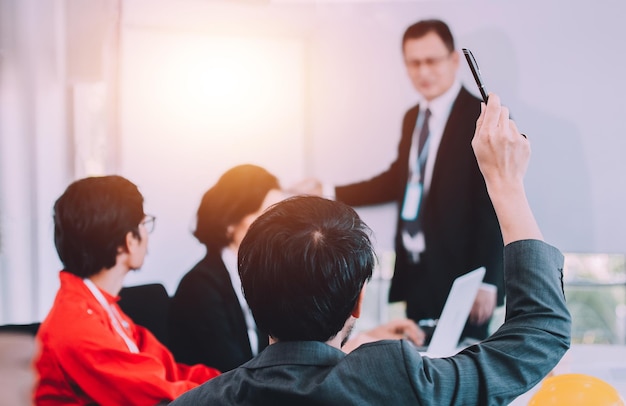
112	315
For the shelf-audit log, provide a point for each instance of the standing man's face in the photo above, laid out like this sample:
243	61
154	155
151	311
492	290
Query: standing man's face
431	67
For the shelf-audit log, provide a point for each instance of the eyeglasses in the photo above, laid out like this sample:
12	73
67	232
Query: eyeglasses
148	223
428	62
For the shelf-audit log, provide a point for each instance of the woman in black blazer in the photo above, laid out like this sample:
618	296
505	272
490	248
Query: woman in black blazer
210	322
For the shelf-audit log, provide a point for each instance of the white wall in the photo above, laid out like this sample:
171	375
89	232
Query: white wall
560	71
34	159
181	128
558	65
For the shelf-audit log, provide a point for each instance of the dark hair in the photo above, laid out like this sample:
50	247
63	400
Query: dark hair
421	28
302	265
238	192
91	220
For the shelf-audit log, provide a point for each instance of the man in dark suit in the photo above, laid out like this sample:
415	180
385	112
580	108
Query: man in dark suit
446	225
304	264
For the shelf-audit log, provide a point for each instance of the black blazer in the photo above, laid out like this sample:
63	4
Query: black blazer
206	322
460	226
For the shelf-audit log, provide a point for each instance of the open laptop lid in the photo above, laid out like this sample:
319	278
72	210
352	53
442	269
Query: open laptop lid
455	312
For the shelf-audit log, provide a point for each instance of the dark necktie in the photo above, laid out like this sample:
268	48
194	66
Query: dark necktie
421	153
413	226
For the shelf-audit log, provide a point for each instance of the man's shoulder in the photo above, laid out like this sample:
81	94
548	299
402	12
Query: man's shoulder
219	390
465	111
383	350
411	113
209	271
313	379
466	96
86	324
466	104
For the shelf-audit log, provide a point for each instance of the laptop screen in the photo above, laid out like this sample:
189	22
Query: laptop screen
455	313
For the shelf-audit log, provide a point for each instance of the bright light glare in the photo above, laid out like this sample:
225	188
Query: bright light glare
198	103
226	84
216	83
194	105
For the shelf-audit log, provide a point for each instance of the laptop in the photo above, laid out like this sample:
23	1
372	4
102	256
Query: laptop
445	338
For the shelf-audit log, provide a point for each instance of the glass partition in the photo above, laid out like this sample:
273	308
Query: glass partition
595	289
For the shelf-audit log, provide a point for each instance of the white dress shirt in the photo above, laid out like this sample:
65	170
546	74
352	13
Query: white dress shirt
440	109
230	261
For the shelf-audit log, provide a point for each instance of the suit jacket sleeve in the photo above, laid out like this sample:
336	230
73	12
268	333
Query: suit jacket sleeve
534	337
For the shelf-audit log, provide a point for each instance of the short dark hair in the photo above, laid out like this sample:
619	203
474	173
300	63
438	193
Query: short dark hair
421	28
91	220
240	191
302	265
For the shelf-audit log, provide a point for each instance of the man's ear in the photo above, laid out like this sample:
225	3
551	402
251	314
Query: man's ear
356	312
132	241
456	56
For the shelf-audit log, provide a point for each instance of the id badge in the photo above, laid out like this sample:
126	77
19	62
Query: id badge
412	199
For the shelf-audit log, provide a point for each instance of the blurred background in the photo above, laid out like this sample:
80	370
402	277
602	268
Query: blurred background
172	93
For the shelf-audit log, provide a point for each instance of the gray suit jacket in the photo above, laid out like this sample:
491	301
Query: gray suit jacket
535	335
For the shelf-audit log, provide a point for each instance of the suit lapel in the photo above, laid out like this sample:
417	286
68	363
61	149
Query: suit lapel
233	308
450	141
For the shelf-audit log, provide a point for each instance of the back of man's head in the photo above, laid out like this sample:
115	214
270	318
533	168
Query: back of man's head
91	220
421	28
303	264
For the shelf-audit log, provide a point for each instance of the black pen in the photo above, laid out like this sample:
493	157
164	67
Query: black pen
471	61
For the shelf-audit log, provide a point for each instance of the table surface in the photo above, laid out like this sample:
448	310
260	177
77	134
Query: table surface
607	362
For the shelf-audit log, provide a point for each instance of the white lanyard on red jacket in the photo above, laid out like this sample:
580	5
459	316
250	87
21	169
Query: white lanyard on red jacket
113	315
